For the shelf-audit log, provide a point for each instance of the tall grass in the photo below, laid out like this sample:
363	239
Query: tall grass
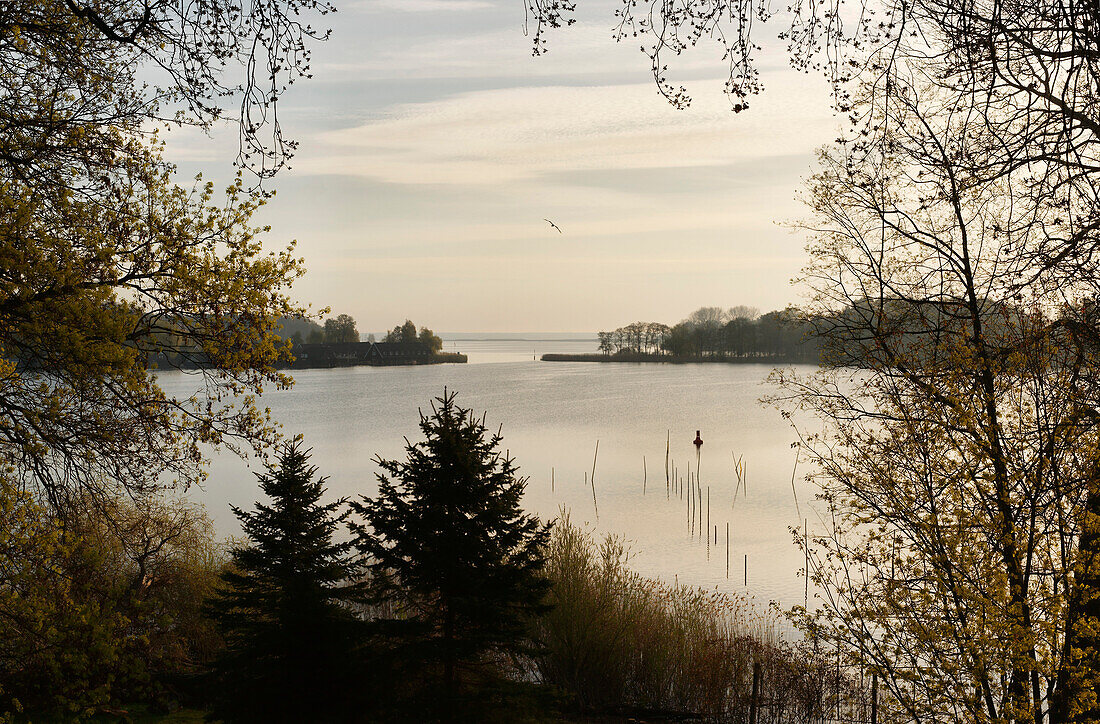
616	641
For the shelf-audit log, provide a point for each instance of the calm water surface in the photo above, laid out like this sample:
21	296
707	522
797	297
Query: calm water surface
553	414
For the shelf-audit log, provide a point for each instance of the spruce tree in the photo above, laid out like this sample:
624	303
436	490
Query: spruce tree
291	642
452	559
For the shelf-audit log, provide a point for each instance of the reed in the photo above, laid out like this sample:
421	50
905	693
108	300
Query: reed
617	642
739	472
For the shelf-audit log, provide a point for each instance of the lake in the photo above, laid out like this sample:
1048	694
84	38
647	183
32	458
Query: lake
552	415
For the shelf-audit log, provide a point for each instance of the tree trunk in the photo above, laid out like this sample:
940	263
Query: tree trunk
449	683
1075	699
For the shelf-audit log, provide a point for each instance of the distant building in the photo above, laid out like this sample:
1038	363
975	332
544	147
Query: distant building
398	352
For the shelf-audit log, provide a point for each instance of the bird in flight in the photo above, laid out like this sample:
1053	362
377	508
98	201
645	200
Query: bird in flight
552	224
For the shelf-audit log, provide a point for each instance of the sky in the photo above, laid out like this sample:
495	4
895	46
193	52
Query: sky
433	146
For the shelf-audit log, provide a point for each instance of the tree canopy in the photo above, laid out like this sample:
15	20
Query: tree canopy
957	559
91	292
739	332
406	334
103	609
106	264
81	77
341	329
402	333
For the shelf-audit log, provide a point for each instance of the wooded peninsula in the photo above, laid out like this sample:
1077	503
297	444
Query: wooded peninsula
709	334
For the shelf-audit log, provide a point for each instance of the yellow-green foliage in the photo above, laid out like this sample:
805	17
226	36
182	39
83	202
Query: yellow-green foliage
102	608
959	468
54	642
155	273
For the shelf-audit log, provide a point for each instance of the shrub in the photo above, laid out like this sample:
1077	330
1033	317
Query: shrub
103	608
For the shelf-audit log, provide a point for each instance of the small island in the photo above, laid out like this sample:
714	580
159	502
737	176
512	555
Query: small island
337	344
348	354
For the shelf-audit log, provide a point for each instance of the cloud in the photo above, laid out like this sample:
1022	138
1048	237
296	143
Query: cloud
480	53
469	48
418	6
518	134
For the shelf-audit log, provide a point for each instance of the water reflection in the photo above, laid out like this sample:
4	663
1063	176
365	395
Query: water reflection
552	416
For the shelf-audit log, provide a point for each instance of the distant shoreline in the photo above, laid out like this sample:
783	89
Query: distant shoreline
636	357
448	338
438	358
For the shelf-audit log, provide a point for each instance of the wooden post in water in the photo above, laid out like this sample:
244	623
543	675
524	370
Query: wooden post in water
594	506
699	491
668	440
691	510
727	550
746	569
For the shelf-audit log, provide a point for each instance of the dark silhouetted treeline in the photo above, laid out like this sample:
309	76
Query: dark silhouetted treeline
714	333
851	337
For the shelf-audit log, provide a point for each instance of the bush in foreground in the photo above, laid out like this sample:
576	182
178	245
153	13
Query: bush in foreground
104	607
